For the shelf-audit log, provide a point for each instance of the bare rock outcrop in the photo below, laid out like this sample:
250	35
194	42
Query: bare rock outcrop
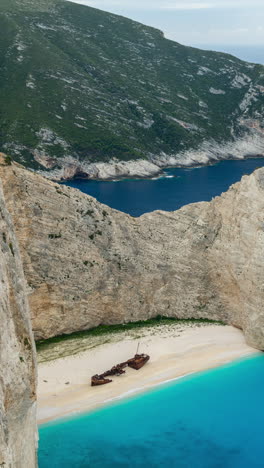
18	430
87	264
68	168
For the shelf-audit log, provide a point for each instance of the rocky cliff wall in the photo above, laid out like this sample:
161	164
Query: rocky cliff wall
18	434
87	264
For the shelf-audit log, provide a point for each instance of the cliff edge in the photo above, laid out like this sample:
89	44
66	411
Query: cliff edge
87	264
18	430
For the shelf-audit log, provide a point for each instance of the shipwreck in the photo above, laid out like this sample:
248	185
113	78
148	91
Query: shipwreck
137	362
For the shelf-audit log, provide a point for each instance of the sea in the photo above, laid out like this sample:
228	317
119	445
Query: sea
212	419
172	190
249	53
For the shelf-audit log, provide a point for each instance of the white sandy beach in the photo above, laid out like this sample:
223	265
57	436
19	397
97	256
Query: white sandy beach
64	383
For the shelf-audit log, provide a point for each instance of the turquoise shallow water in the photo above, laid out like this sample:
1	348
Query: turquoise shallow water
178	188
209	420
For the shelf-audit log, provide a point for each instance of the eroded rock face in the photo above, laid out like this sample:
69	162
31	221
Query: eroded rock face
87	264
18	431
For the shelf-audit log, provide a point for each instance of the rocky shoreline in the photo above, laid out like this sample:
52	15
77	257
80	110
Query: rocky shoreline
160	174
69	168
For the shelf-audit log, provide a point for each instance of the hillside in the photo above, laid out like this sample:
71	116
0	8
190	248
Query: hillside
81	86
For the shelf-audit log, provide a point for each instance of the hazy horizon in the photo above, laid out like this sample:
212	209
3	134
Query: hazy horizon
249	53
228	23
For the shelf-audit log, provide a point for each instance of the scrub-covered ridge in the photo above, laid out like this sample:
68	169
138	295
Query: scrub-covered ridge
80	86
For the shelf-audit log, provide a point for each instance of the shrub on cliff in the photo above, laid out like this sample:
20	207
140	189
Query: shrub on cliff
8	160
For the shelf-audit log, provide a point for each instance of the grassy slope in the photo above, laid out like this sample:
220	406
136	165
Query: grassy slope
78	81
68	345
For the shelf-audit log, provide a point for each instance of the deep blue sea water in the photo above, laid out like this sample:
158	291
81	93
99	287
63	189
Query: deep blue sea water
213	419
178	188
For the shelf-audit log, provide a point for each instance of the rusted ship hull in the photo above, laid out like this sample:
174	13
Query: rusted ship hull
98	380
138	361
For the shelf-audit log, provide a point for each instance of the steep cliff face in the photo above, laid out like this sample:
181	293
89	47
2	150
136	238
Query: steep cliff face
18	435
87	264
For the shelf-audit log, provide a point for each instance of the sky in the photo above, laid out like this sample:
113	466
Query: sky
196	22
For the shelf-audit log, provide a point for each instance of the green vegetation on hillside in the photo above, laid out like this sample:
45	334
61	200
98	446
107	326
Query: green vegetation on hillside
74	343
76	81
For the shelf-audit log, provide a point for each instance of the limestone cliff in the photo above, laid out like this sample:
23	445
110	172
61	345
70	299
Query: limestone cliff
87	264
18	434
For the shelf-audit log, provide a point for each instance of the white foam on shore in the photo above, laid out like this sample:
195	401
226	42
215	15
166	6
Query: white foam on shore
50	413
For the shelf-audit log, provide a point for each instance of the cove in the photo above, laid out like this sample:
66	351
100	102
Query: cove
176	188
213	419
